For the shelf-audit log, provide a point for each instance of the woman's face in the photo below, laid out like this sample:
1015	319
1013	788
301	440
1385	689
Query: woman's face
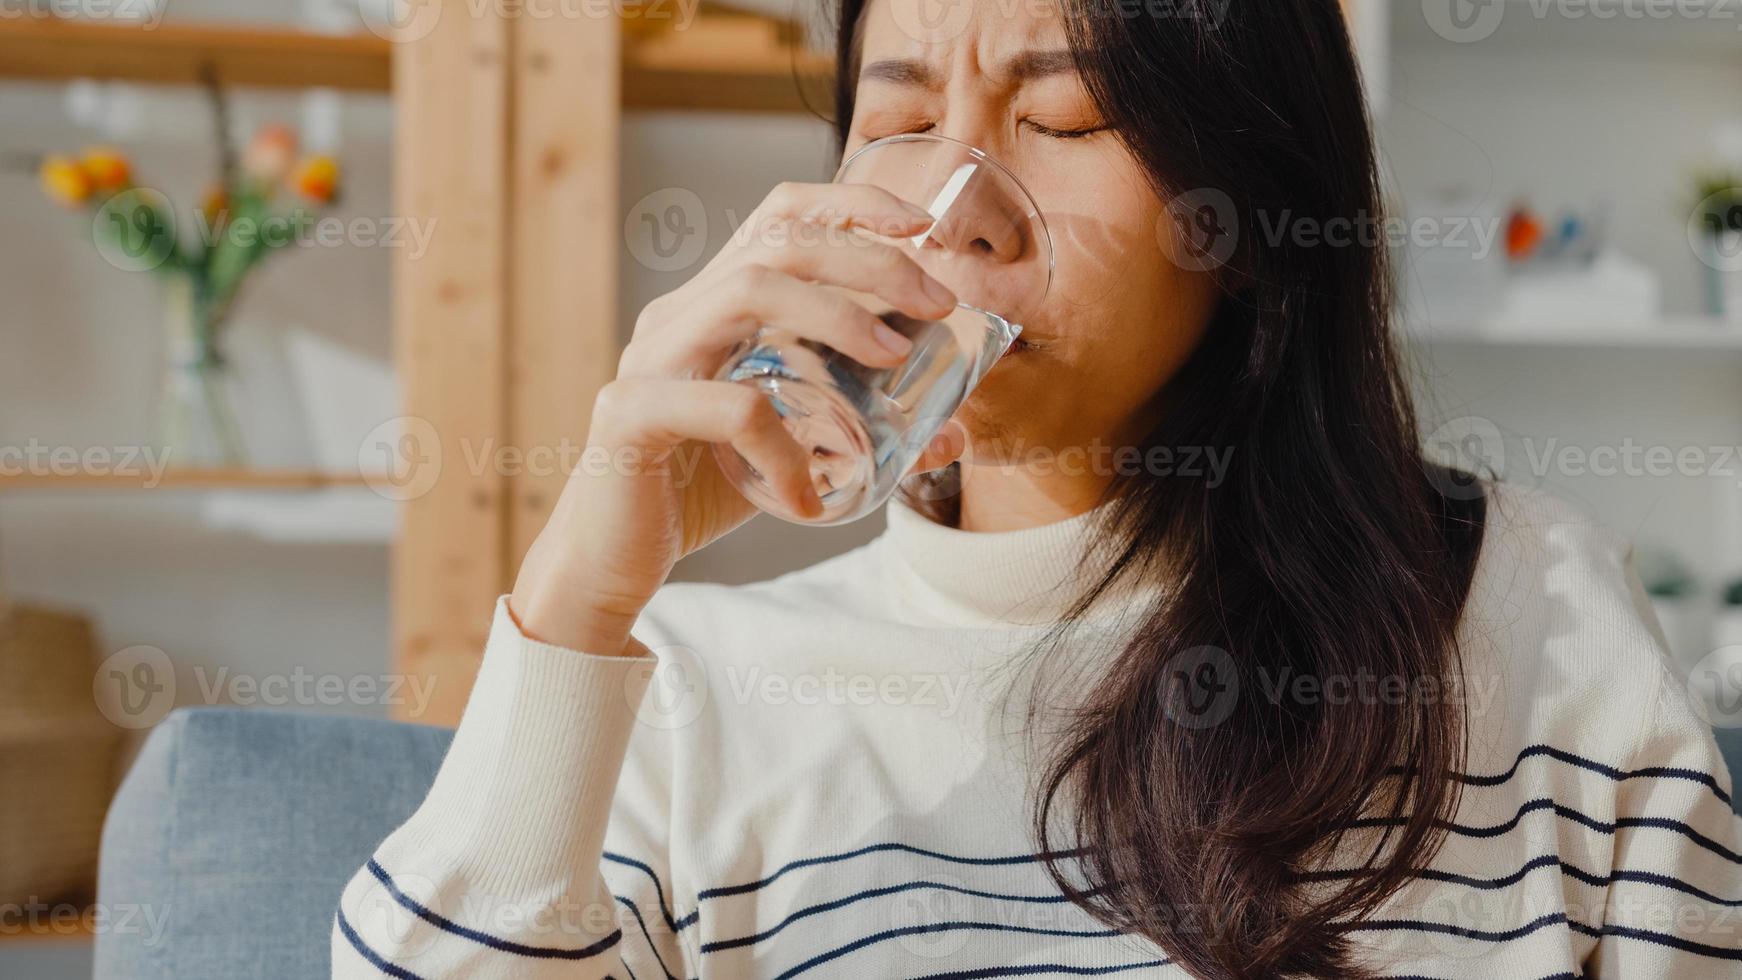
1121	316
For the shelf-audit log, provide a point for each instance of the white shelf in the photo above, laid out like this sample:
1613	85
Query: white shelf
1703	27
1688	334
336	515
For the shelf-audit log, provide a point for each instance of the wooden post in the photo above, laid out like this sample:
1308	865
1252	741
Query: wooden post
451	101
505	328
566	236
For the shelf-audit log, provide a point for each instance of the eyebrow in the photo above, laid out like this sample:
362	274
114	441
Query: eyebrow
1024	67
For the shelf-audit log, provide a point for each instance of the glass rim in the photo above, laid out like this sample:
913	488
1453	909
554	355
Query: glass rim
1034	210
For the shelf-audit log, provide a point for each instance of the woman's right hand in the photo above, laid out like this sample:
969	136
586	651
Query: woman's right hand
648	491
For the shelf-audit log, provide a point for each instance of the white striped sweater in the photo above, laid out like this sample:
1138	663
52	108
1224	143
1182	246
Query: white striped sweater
820	776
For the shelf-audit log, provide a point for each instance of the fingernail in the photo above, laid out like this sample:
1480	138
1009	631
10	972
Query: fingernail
891	339
939	292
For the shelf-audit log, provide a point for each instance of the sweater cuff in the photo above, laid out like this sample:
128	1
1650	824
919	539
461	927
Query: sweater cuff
522	799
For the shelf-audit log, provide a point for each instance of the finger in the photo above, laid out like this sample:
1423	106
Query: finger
761	296
863	206
756	296
947	446
660	413
866	265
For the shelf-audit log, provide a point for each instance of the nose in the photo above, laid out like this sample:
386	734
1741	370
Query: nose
976	214
976	219
986	241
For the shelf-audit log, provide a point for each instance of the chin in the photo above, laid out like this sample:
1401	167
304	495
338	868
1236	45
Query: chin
997	428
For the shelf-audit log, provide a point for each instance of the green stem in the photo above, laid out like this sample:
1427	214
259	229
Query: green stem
217	404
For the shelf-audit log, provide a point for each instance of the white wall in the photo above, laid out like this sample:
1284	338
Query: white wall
1566	115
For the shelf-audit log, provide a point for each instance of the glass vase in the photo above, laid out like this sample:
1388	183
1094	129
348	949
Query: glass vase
197	424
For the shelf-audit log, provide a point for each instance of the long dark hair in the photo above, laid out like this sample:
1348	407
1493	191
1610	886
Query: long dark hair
1330	549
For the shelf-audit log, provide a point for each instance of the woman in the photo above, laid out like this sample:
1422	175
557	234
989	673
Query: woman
1179	661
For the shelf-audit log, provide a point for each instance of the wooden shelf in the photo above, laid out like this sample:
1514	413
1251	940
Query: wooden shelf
186	479
50	49
724	60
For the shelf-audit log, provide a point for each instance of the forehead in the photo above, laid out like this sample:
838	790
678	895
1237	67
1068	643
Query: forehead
943	31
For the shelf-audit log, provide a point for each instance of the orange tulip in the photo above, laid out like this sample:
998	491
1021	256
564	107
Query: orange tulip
270	154
65	181
108	169
215	206
317	179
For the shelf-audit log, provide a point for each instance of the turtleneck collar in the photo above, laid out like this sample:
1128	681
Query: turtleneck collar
1024	577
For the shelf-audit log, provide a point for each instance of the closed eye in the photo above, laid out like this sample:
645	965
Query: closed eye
871	134
1062	134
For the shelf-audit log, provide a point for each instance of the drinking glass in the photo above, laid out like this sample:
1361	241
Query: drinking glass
863	427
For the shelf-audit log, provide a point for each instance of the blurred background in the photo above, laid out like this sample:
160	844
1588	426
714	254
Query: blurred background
304	301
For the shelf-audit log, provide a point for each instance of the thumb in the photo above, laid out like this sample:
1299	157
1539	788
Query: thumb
945	448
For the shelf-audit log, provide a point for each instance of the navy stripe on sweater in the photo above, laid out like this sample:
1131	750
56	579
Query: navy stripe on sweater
680	923
484	938
722	944
1369	925
1554	976
1619	875
375	959
1055	969
657	956
1546	861
1449	929
1662	939
676	924
931	927
1568	813
1556	918
747	887
1549	861
1704	779
1040	969
1618	775
1433	874
1404	925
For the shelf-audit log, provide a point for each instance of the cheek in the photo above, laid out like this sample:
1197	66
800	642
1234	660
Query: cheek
1104	220
1117	274
1127	313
